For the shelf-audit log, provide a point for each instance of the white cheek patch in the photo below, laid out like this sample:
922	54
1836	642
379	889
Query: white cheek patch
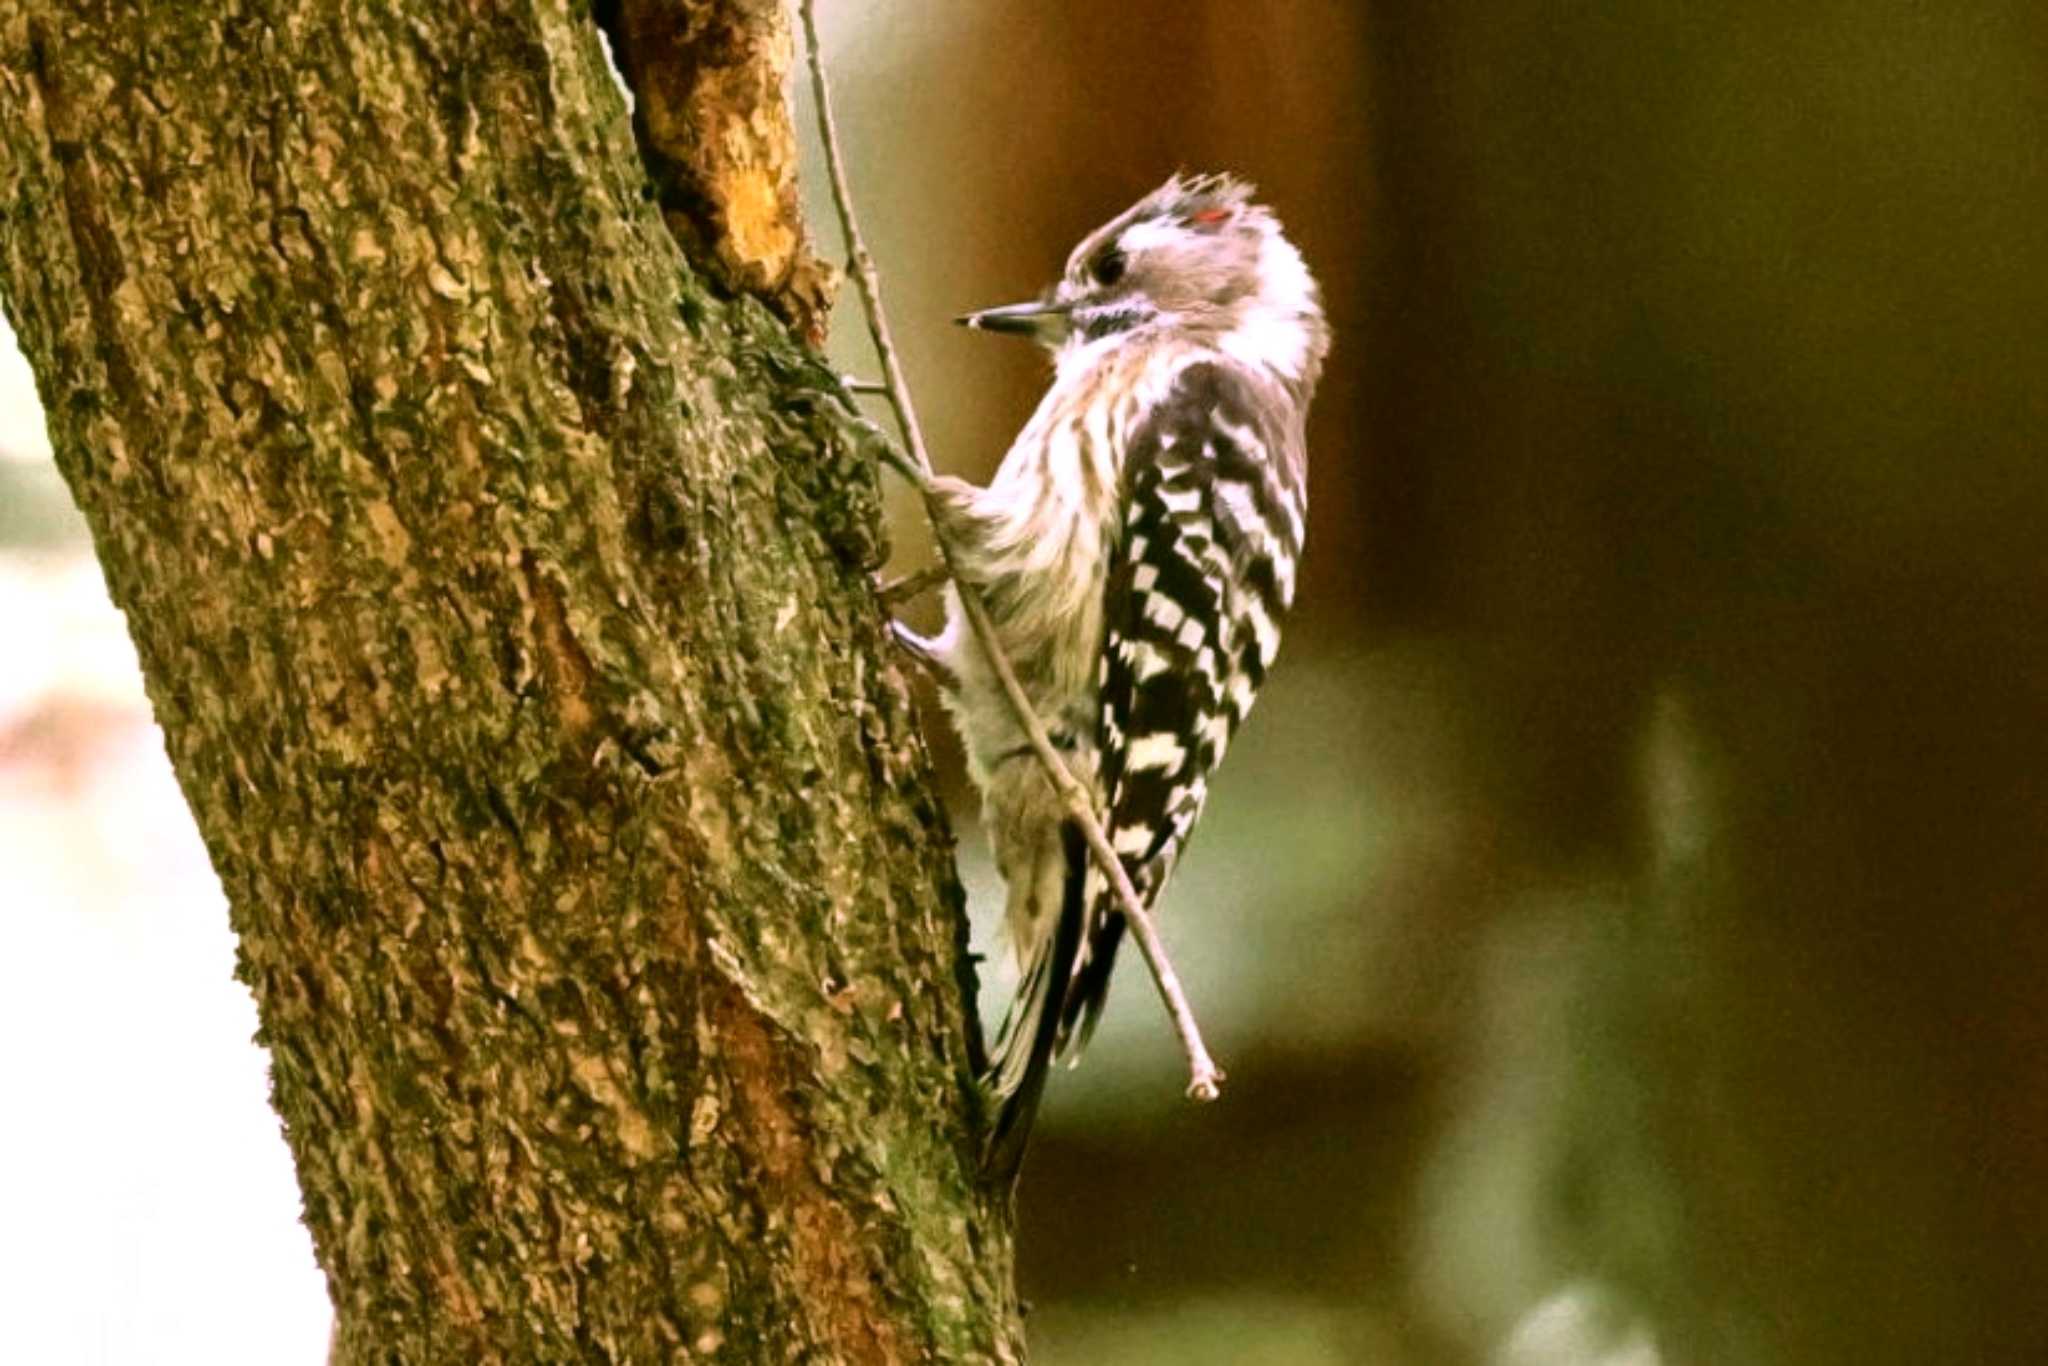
1271	331
1285	284
1266	339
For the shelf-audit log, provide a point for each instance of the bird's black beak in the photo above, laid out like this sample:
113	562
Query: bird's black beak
1044	323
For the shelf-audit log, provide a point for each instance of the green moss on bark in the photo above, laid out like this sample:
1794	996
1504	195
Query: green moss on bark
503	597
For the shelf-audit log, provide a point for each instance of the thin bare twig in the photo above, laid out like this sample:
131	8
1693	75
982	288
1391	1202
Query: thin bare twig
1203	1073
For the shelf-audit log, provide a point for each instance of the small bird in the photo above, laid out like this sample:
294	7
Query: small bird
1136	552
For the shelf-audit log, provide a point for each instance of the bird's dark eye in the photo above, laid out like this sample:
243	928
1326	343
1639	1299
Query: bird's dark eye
1108	267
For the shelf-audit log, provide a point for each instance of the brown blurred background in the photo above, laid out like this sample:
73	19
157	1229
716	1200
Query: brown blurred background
1623	918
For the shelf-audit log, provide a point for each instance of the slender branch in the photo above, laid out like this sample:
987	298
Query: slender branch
1203	1073
912	585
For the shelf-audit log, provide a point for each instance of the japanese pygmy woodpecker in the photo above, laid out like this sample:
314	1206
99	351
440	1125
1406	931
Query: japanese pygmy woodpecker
1136	552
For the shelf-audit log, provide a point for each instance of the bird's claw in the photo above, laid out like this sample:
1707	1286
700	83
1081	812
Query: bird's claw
923	652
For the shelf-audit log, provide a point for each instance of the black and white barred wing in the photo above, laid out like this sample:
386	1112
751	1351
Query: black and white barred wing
1197	592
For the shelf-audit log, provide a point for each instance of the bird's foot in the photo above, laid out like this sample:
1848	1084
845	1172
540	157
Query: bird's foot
923	652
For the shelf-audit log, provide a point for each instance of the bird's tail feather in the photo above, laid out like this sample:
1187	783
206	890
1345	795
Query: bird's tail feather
1090	991
1031	1031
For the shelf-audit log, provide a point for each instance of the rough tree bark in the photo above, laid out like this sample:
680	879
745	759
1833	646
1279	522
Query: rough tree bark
500	580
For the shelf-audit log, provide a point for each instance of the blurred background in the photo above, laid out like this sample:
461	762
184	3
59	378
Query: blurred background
1623	918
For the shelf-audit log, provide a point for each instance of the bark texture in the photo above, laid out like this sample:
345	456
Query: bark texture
503	594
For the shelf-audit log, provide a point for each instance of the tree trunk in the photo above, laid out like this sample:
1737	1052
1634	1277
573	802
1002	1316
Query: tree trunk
501	586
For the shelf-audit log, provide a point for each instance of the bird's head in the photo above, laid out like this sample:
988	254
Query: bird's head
1194	260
